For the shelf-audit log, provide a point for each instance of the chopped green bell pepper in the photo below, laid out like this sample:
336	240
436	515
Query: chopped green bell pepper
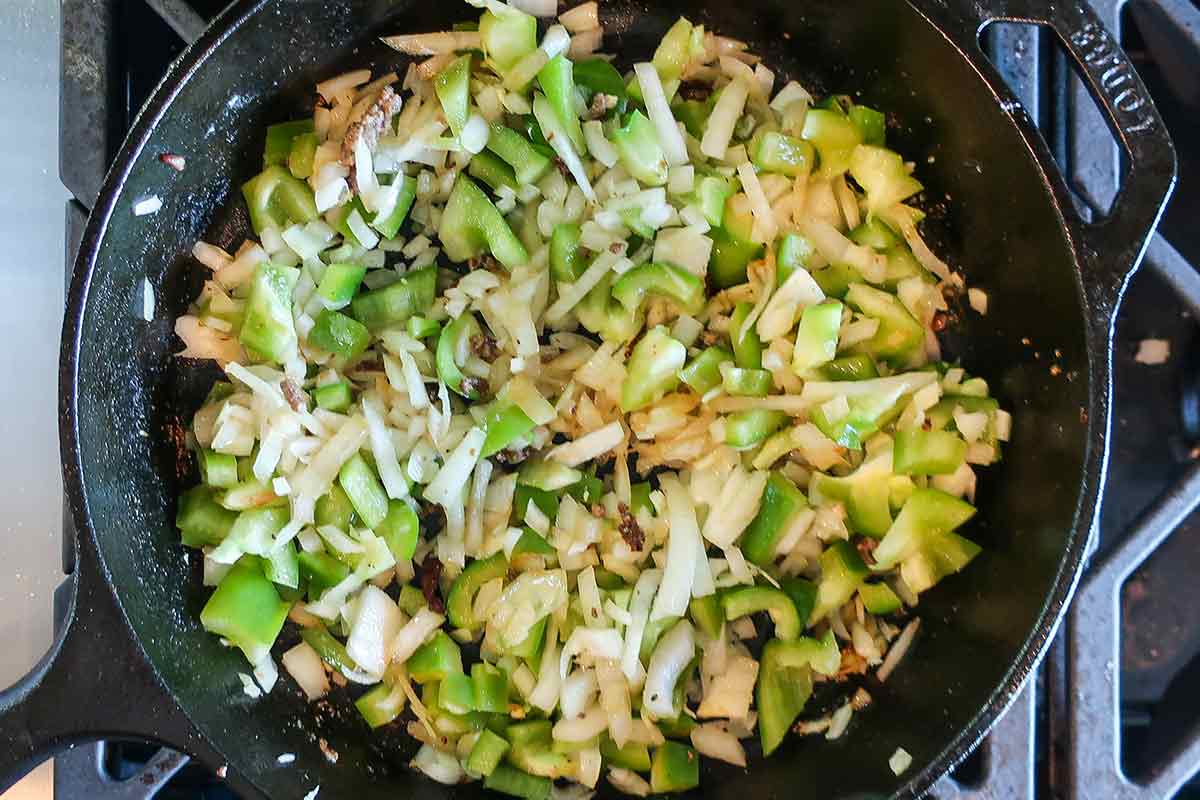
900	335
783	154
276	199
639	151
331	651
467	584
748	382
859	367
834	136
335	397
201	520
745	429
399	529
320	571
733	244
674	51
803	594
923	542
883	175
817	336
246	610
334	508
747	347
780	694
487	752
517	783
601	314
366	493
865	494
507	37
471	224
280	139
633	755
874	234
340	335
490	688
663	280
878	598
528	163
452	86
780	502
388	228
282	566
302	155
653	369
218	470
488	167
745	600
600	77
708	614
870	123
567	261
381	705
435	660
921	452
792	253
396	303
704	371
506	425
676	768
842	572
268	328
548	475
454	340
558	83
711	193
421	328
546	502
835	279
340	283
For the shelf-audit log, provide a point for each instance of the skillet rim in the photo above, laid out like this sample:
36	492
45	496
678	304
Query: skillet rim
1097	341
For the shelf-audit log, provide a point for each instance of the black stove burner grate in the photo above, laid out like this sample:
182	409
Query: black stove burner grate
1112	712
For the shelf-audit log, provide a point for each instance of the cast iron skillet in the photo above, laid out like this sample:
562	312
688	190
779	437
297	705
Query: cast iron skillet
133	659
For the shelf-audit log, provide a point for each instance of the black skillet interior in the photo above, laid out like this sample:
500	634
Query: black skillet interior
992	214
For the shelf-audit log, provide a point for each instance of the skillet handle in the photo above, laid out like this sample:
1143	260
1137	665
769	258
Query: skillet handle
1112	247
92	684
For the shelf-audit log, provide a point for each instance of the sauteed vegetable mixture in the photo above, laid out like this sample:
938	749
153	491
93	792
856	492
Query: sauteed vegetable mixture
581	419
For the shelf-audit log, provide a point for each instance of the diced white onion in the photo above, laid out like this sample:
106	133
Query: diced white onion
671	655
306	668
660	114
714	740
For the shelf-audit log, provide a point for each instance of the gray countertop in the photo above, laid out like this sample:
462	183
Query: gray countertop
31	272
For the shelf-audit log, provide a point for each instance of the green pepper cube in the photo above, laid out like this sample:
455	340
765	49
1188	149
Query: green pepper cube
878	598
703	373
708	614
507	37
490	688
780	503
817	336
874	234
834	136
277	199
922	539
638	149
506	425
381	705
566	255
282	566
745	600
747	346
280	139
331	651
340	283
471	224
407	194
246	610
460	600
870	123
920	452
634	755
793	252
452	343
303	155
517	783
218	470
340	335
366	493
745	429
486	753
674	51
842	572
784	155
676	768
653	369
859	367
558	82
399	529
529	165
883	175
396	303
334	508
456	694
435	660
452	86
662	280
320	571
740	382
335	396
488	167
268	328
781	692
900	336
201	520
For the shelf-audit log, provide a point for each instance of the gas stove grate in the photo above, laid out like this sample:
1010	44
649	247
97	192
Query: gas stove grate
1062	736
